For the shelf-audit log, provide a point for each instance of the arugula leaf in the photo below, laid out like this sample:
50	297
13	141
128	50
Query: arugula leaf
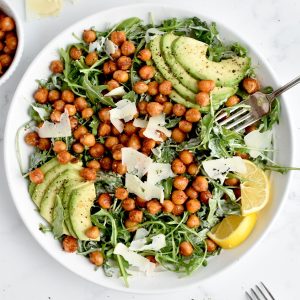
94	124
107	182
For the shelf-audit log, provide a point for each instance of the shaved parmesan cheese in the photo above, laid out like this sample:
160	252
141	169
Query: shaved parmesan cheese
158	172
151	33
157	152
257	142
140	234
219	168
140	123
134	259
42	112
135	161
97	45
158	242
110	47
55	130
117	92
155	127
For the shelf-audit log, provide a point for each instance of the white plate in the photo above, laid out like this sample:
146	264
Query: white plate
158	282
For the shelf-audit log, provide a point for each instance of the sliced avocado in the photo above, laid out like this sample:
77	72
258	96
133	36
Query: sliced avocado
48	202
178	71
41	188
191	54
166	71
80	204
44	168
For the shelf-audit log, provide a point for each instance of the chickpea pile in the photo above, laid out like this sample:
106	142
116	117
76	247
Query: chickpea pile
8	41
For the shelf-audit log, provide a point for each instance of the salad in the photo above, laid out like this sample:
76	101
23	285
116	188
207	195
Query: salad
130	168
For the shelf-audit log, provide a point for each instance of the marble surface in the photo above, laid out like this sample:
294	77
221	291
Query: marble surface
27	272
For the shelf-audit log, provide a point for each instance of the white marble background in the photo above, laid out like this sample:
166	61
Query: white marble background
27	272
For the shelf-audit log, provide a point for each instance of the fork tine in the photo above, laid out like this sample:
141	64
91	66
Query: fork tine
225	113
239	121
261	292
244	125
248	295
267	290
234	116
254	293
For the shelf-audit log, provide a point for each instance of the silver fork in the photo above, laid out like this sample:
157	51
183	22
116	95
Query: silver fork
260	293
252	109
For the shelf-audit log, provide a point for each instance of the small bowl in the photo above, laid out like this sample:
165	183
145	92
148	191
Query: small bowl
8	9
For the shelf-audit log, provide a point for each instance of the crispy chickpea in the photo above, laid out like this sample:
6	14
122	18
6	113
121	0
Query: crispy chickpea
80	131
75	53
112	84
124	63
109	67
128	205
191	193
206	85
251	85
69	244
193	205
142	107
96	258
165	88
193	169
11	42
5	60
36	176
121	193
140	202
168	108
231	101
200	184
180	182
153	88
73	122
104	114
124	139
146	72
41	95
178	136
59	146
144	54
1	45
53	95
148	145
104	129
134	142
120	76
178	197
154	109
118	37
178	166
151	258
242	155
237	193
121	169
211	245
80	104
32	138
202	99
87	113
71	109
59	105
141	133
78	148
185	126
92	232
136	216
179	110
168	206
7	24
178	210
116	54
88	140
56	66
88	174
64	157
193	221
106	163
93	164
232	181
89	36
44	144
131	226
153	207
250	128
8	50
91	58
205	196
140	87
186	156
128	48
161	98
111	141
68	96
193	115
2	34
97	150
104	200
114	130
129	128
117	154
186	248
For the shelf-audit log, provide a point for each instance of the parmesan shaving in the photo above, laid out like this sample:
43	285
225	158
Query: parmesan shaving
110	47
257	142
155	127
158	242
42	112
158	172
151	33
117	92
97	45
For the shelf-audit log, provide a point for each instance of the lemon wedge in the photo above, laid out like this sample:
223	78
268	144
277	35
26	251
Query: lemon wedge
232	230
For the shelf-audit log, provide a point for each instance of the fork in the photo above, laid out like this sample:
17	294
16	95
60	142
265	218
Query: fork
257	291
252	109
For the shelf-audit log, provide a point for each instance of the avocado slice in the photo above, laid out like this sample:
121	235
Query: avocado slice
80	204
191	54
167	72
178	71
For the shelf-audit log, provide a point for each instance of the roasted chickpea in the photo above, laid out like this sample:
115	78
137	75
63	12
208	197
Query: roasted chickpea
109	67
124	139
206	85
211	245
87	113
68	96
151	258
250	128
131	226
80	104
153	88
124	63
78	148
96	258
128	205
154	109
178	197
64	157
8	50
168	108
185	126
88	140
106	163
92	232
129	128
71	109
147	72
148	145
88	174
1	45
186	248
180	183
41	95
36	176
121	169
44	144
140	87
140	202
2	34
56	66
186	156
32	138
111	141
142	107
69	244
80	131
231	101
121	193
191	193
7	24
59	105
104	200
251	85
205	196
193	221
134	142
202	99
237	193
178	136
232	181
145	54
179	110
53	95
89	36
193	115
200	184
193	169
168	206
104	114
5	60
112	84
165	88
136	216
121	76
115	131
242	155
93	164
11	42
128	48
97	150
104	129
73	122
178	210
116	54
59	146
117	152
193	205
178	166
118	37
91	58
75	53
153	207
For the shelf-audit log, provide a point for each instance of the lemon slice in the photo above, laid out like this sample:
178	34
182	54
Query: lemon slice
255	191
232	230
